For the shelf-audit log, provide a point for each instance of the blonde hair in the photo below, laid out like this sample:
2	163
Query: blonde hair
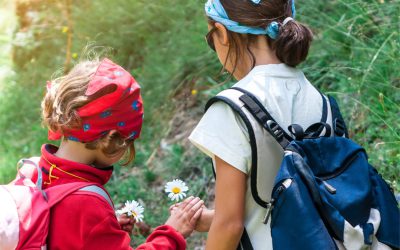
65	95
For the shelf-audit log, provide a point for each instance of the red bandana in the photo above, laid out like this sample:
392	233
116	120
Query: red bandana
121	110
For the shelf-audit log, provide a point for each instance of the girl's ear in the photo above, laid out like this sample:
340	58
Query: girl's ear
222	34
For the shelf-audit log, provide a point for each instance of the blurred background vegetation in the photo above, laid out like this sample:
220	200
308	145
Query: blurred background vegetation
355	57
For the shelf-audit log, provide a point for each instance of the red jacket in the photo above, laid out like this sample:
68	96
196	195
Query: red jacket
84	220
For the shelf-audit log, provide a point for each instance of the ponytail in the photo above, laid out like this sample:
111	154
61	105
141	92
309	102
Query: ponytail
293	43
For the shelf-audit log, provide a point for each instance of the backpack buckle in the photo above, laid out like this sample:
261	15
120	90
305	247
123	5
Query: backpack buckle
275	129
339	127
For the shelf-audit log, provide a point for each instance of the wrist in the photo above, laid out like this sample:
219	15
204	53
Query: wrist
175	238
205	220
208	216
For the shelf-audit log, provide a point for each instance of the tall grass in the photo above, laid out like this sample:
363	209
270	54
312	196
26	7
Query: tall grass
356	57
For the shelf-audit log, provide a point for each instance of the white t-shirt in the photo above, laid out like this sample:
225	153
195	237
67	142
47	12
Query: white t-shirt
289	98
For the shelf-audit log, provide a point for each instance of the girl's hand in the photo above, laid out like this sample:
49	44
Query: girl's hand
126	223
204	222
184	216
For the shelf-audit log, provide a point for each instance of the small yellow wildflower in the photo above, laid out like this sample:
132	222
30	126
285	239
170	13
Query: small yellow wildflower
64	29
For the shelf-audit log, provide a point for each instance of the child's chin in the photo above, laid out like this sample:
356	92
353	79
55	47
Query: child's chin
103	164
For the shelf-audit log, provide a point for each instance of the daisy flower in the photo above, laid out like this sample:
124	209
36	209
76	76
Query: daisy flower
176	189
132	209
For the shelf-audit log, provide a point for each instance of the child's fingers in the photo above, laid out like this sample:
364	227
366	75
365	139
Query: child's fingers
132	221
123	220
174	206
128	228
196	216
196	205
190	204
186	202
123	216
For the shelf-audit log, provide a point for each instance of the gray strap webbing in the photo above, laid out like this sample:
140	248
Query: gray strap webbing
35	162
97	190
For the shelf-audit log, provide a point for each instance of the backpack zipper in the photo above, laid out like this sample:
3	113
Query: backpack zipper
270	206
341	169
282	187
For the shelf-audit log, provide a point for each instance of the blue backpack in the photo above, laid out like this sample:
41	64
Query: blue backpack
326	195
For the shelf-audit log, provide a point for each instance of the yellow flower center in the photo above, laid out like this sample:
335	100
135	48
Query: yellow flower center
133	214
176	190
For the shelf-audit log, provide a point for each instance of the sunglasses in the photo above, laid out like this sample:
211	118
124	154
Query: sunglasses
209	38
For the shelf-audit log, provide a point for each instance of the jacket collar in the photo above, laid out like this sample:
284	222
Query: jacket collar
60	171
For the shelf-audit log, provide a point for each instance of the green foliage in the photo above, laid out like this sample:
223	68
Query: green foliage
355	57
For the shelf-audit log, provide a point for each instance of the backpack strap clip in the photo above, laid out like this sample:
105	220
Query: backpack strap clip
316	130
265	120
339	127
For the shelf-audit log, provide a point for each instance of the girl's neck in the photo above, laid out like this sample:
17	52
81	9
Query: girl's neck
263	55
76	152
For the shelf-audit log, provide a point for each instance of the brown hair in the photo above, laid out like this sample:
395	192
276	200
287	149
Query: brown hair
293	42
66	95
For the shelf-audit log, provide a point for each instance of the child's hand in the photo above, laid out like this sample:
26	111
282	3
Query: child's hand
126	223
204	222
184	216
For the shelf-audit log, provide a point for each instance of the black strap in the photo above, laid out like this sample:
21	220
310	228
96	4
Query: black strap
265	120
245	243
339	126
316	130
253	145
324	117
264	110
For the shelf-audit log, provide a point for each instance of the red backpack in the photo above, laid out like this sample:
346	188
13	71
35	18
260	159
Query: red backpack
25	209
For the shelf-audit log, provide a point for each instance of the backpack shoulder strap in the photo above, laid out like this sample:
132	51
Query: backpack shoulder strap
339	125
263	117
57	193
29	172
98	190
233	102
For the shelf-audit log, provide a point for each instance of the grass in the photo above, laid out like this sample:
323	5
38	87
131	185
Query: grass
7	21
354	57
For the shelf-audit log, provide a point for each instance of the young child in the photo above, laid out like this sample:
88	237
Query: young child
260	44
96	110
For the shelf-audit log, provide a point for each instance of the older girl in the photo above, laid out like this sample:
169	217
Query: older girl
260	43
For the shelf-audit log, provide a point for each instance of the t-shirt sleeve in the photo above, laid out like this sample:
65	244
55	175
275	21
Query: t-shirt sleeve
222	133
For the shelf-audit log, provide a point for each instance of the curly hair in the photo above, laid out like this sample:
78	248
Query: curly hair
66	95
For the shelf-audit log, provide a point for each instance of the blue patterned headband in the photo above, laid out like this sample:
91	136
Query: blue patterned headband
216	11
